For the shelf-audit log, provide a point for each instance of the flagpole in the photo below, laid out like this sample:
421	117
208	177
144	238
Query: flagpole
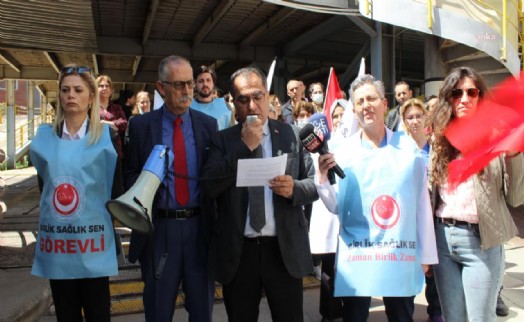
329	80
270	74
362	69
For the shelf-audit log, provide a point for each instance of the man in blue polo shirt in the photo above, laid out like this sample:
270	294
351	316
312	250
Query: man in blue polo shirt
204	100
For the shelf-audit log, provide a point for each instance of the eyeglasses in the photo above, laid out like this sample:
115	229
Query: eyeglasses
417	117
256	97
78	70
180	85
458	92
370	99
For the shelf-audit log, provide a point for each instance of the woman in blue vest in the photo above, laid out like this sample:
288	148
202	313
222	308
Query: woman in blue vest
413	114
76	161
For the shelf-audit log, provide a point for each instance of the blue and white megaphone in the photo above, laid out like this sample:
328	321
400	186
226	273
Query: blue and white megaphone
133	208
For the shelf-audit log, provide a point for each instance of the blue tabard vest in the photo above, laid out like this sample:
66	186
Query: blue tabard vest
377	251
217	109
75	233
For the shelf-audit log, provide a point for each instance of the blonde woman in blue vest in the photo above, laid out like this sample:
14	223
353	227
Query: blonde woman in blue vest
76	161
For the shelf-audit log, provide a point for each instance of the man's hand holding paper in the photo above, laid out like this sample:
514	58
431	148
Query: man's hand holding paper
282	186
260	172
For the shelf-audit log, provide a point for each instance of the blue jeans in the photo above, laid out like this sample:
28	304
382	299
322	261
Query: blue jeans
468	278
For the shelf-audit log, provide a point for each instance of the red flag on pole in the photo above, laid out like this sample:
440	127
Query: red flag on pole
496	127
332	94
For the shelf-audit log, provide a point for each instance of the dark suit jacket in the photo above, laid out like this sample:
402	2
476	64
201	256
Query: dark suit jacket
145	131
393	118
287	112
232	202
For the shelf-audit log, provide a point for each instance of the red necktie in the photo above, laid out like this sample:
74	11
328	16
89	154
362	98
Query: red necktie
179	149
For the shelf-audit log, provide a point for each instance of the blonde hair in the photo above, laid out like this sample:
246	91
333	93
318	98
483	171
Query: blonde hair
412	102
93	112
108	80
136	111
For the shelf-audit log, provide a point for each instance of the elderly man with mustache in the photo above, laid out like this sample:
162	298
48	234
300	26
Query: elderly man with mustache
177	249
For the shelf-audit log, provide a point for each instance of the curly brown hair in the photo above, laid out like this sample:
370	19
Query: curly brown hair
443	151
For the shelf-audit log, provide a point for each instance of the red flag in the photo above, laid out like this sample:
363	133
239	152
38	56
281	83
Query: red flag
496	127
332	94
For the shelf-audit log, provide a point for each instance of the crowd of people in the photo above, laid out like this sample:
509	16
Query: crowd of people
392	210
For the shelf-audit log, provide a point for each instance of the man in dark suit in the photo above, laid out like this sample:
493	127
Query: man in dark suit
393	119
295	91
247	254
177	250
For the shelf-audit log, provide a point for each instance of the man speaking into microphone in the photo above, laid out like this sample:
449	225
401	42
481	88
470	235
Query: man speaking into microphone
384	212
260	240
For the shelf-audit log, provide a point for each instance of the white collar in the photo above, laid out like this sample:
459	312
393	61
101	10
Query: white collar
265	127
78	135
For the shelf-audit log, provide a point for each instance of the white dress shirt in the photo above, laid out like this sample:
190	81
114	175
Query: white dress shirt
78	135
269	229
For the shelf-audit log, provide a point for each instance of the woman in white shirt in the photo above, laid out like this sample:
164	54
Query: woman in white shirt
472	219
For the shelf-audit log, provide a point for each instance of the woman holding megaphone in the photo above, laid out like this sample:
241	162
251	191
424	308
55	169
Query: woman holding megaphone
76	160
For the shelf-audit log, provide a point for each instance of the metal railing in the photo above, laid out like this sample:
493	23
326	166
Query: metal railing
501	11
22	135
22	131
19	110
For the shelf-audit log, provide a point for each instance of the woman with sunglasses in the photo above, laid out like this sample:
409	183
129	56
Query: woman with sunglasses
76	162
472	219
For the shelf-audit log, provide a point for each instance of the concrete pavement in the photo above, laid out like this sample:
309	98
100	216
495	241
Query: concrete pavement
27	298
513	295
23	297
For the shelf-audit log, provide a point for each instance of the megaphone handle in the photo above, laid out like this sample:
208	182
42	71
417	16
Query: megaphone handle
157	270
160	268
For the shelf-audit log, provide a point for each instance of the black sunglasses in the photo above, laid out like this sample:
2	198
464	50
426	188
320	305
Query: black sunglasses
458	92
78	70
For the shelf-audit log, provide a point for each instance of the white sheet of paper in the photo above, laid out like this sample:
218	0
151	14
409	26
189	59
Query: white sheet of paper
258	172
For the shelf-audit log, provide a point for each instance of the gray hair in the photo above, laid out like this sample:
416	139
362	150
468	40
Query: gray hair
363	80
163	70
246	71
